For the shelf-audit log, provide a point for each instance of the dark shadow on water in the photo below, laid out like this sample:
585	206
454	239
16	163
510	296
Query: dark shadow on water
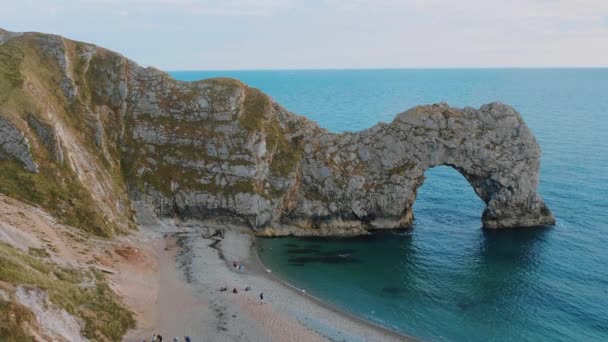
302	251
323	260
399	271
345	252
465	304
394	291
514	246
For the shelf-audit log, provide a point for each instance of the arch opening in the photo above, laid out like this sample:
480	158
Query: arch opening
445	197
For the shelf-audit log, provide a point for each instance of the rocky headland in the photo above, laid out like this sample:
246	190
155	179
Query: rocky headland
220	149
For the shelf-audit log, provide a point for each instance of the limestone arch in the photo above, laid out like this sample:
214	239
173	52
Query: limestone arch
493	149
372	177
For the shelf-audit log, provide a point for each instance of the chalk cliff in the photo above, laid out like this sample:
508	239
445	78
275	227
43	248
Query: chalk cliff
87	131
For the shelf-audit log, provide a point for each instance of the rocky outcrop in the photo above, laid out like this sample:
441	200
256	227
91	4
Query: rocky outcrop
14	145
220	149
372	176
48	135
310	178
55	46
7	35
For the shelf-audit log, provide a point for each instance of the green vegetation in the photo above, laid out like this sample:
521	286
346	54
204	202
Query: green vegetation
11	57
401	169
221	88
94	79
162	177
256	106
288	153
14	317
38	252
226	82
84	294
53	189
188	129
256	117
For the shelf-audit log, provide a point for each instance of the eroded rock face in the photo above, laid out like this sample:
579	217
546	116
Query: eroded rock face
217	148
372	176
15	145
48	135
331	182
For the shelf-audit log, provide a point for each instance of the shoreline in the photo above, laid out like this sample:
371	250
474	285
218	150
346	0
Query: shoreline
337	310
177	279
194	263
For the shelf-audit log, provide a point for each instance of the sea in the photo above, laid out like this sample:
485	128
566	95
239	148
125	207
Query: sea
447	279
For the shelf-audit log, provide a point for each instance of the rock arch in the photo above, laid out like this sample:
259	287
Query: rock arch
372	176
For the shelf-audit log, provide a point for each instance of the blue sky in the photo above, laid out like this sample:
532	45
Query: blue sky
300	34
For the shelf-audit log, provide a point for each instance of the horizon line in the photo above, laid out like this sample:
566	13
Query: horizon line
398	68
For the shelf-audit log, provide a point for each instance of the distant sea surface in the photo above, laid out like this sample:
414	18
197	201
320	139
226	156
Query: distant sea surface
447	279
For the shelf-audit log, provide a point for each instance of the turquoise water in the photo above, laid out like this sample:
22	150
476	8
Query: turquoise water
447	279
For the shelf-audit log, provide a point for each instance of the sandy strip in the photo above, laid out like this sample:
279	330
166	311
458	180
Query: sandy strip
332	324
195	261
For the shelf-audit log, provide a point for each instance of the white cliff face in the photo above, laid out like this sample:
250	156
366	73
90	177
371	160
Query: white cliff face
217	148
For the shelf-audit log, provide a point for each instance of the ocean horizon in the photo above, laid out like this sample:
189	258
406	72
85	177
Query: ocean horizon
173	71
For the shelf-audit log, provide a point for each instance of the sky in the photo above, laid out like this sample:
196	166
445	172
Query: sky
313	34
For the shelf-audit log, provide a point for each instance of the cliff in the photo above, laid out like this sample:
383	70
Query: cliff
86	130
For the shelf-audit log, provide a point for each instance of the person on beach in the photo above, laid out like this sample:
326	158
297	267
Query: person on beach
262	298
187	339
241	268
153	338
235	290
234	264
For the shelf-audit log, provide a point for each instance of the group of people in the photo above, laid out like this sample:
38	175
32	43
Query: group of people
159	338
241	268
